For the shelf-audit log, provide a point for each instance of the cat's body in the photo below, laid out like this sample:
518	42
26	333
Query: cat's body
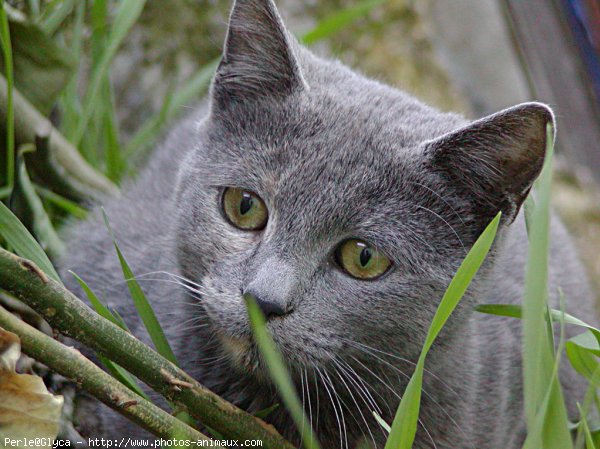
334	156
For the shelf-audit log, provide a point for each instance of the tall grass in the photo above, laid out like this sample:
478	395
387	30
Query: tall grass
89	121
5	42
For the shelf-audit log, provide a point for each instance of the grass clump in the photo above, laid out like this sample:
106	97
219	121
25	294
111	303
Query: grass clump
89	122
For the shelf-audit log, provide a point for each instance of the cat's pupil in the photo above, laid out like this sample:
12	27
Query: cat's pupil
365	256
246	204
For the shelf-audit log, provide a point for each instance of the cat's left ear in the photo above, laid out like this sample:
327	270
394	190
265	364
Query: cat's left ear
258	56
495	160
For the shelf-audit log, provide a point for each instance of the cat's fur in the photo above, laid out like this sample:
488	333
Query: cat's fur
335	155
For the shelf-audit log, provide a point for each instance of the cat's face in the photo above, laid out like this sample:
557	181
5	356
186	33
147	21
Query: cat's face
344	204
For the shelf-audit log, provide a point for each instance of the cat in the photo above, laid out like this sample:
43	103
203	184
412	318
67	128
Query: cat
343	207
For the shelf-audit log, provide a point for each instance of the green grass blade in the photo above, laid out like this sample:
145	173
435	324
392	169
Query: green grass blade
582	350
589	400
123	376
543	431
583	358
70	104
339	20
43	229
528	207
127	15
10	113
538	353
589	440
405	422
34	8
534	439
118	373
382	422
262	414
100	29
462	279
53	17
114	154
100	308
119	319
279	374
60	201
142	305
23	243
105	117
543	434
171	106
516	311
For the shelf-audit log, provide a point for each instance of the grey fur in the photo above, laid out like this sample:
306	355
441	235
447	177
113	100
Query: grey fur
334	155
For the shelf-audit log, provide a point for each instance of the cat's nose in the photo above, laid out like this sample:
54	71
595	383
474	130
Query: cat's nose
269	308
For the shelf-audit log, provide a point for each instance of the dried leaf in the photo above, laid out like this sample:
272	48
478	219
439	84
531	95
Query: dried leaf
27	410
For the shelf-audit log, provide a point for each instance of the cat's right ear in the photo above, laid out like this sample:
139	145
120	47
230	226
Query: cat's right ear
495	160
258	56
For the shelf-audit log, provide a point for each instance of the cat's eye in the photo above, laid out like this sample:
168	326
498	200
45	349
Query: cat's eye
360	260
244	209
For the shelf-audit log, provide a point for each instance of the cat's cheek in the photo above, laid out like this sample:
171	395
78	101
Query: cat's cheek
222	298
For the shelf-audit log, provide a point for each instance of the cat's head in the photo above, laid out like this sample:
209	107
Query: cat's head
342	205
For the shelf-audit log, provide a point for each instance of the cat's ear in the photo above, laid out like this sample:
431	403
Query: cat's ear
495	160
258	56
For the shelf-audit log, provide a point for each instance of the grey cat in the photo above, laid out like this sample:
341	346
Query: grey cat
343	207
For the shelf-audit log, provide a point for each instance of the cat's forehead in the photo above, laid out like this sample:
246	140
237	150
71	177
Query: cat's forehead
344	136
341	108
319	142
306	161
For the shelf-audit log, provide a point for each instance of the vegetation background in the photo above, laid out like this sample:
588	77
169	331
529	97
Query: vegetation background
112	75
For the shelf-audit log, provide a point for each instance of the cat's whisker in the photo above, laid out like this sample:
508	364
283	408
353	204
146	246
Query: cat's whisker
317	394
310	413
425	392
386	384
181	280
427	432
383	382
303	398
356	404
340	402
369	349
337	417
438	405
193	319
399	398
409	229
418	206
212	362
170	281
199	320
361	384
190	327
441	198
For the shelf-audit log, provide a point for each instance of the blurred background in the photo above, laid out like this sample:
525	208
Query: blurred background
87	88
112	75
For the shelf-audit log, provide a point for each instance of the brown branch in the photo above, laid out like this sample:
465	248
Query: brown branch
70	316
73	365
29	122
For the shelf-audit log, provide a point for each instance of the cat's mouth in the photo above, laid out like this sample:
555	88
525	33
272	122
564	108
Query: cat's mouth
242	350
244	355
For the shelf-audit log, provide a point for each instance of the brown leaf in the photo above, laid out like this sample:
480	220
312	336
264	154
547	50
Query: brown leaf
27	409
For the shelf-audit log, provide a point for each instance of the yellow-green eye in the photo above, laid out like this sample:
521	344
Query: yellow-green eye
360	260
244	209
